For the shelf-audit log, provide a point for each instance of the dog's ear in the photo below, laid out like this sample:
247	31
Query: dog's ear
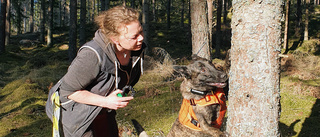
182	71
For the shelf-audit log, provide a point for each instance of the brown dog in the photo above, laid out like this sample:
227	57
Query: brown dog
201	81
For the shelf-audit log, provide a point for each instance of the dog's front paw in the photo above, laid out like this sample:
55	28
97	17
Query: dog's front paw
225	134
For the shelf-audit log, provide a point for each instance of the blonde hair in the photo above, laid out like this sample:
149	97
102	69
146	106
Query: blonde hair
111	20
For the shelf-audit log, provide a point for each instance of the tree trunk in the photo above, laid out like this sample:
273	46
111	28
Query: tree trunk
189	24
133	4
306	21
3	25
42	21
63	14
182	14
210	20
154	13
7	39
93	7
254	92
298	19
60	13
19	16
145	22
103	3
24	19
225	12
73	31
199	29
50	23
286	27
83	12
107	4
218	29
168	14
31	16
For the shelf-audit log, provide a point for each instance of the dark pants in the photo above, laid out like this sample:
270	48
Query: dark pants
104	125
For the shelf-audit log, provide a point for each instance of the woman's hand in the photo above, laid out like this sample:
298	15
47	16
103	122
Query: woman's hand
112	101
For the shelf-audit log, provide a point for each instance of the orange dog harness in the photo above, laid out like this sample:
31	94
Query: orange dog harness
188	118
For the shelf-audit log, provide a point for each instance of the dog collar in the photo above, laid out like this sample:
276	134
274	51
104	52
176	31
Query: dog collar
198	92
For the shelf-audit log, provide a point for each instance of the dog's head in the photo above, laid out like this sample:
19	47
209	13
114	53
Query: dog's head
201	75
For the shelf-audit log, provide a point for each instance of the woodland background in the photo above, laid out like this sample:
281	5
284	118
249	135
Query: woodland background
37	45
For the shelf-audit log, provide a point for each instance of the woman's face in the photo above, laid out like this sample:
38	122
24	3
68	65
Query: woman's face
131	36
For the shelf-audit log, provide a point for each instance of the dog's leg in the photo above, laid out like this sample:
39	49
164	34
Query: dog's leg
206	126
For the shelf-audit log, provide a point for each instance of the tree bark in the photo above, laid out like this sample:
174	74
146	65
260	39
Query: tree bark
63	13
83	13
24	19
31	16
73	31
254	92
210	20
189	24
103	3
168	14
133	5
42	21
306	21
298	19
7	39
50	23
154	13
145	22
286	27
107	5
225	12
218	29
182	14
2	25
19	17
200	29
93	7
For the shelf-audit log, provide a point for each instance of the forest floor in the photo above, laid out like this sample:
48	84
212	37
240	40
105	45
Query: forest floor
28	71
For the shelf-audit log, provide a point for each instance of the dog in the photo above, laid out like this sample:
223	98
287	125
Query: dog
200	80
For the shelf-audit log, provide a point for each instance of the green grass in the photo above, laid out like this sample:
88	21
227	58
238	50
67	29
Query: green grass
155	108
295	112
26	76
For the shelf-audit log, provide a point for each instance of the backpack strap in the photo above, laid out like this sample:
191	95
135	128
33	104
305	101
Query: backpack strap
95	51
56	114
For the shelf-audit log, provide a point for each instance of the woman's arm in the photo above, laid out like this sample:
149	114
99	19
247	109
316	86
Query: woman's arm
112	101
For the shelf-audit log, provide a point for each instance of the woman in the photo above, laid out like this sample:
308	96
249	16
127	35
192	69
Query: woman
103	66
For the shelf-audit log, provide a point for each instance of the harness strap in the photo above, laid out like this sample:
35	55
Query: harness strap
56	113
193	121
188	118
223	108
